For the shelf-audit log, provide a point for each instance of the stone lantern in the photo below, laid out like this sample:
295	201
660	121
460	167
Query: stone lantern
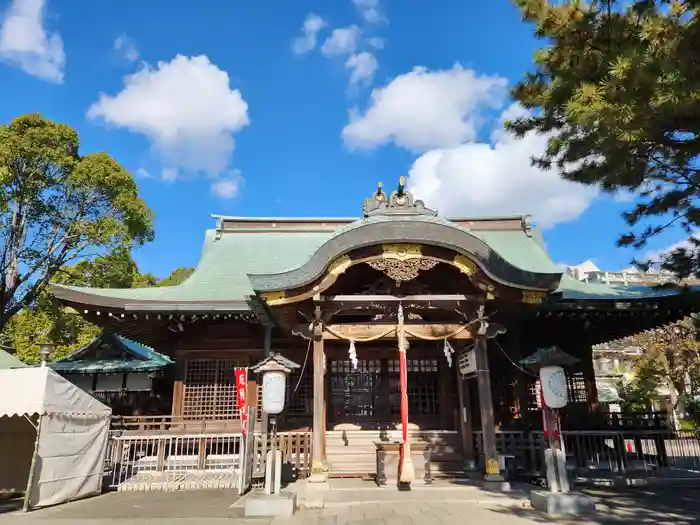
549	364
275	371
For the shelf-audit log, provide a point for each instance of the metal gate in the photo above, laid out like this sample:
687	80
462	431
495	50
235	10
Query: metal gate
247	455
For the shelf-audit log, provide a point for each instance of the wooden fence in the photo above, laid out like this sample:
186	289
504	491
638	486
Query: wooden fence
604	455
174	461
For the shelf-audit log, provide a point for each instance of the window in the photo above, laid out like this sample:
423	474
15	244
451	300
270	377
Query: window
299	395
423	387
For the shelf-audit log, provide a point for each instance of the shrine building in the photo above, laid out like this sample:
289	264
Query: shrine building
330	294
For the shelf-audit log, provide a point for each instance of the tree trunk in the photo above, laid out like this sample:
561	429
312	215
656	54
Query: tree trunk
11	264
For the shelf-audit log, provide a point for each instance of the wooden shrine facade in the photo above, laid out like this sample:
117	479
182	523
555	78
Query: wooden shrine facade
355	297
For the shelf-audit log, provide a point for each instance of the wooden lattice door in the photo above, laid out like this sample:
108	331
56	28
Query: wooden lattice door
209	390
354	391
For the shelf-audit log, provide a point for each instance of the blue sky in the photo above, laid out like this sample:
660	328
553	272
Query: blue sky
281	108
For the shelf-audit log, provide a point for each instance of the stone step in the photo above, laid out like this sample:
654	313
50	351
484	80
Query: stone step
332	452
439	469
353	452
372	439
429	434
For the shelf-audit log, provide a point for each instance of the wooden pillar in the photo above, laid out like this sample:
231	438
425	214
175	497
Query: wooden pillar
179	384
326	395
488	426
317	458
446	394
466	429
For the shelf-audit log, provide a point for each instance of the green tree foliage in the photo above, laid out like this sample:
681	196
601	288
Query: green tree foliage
58	207
48	320
670	356
616	87
145	280
640	391
178	276
116	269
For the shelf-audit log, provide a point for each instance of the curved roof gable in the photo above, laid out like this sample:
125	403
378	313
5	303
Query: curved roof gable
247	255
510	257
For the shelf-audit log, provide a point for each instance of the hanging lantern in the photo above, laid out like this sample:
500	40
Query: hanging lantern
275	370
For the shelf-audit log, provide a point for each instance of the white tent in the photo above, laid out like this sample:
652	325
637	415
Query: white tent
53	437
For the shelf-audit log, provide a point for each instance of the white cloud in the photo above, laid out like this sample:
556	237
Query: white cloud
440	114
187	109
369	10
477	178
349	43
422	110
25	42
343	41
228	186
126	47
376	42
169	174
363	66
308	39
143	173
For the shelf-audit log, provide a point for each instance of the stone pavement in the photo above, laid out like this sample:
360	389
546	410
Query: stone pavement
678	506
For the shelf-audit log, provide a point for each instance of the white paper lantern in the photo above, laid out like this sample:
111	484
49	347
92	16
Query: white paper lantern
553	383
274	389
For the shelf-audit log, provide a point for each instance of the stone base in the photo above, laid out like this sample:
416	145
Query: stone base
318	477
317	485
262	505
391	471
560	503
495	485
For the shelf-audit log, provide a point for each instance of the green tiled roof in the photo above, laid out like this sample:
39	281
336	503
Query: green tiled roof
222	273
518	247
8	361
573	289
140	358
221	279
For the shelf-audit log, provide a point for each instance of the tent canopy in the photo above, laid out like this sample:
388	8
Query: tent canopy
40	390
7	360
61	456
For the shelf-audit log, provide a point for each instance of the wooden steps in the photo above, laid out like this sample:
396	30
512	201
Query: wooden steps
351	453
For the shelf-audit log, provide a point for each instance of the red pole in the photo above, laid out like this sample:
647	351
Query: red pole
404	401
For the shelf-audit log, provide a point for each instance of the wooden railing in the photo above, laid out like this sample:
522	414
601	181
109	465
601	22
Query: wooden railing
170	461
611	453
295	448
173	424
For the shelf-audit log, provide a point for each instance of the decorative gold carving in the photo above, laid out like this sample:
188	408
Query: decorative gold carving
339	266
532	297
402	262
401	270
274	297
493	466
465	265
401	251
